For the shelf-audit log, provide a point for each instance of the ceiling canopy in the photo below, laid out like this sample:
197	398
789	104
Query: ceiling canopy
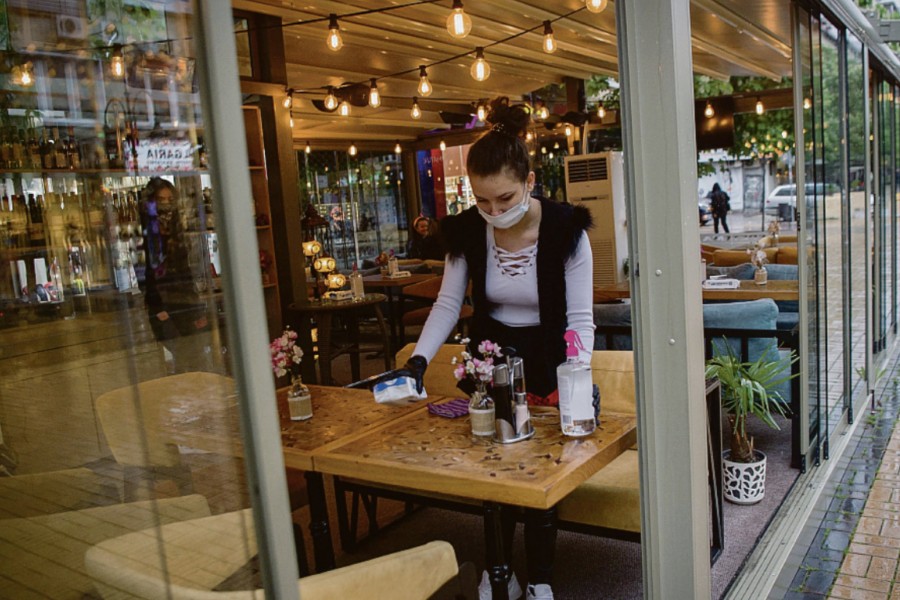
729	37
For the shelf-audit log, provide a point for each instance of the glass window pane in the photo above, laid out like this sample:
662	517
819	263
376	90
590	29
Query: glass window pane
117	409
857	179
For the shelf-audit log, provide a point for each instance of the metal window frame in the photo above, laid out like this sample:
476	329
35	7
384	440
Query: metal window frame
246	317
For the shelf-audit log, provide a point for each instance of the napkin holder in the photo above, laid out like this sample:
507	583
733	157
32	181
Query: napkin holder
721	284
399	274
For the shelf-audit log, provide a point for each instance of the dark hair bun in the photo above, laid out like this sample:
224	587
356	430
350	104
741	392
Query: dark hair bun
512	120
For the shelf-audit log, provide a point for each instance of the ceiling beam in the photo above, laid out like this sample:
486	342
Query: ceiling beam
744	25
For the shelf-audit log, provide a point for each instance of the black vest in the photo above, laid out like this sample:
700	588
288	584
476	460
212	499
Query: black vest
560	230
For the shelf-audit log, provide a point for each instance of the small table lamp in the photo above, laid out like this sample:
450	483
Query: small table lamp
310	249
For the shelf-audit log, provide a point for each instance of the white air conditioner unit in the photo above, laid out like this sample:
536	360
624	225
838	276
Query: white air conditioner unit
596	181
70	27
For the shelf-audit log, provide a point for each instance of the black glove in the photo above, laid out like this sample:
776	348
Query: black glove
415	368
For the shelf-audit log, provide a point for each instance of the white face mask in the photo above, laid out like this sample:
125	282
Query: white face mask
507	219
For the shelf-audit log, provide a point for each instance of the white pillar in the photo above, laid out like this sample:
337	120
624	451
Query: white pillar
654	39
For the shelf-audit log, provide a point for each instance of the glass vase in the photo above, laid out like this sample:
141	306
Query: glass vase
481	411
761	276
299	400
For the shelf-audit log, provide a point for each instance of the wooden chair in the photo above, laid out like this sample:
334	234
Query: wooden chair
427	291
187	560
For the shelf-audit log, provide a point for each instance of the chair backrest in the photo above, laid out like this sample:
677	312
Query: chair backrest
426	290
132	417
439	380
613	372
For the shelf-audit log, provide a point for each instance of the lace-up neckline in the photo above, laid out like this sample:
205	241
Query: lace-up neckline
514	264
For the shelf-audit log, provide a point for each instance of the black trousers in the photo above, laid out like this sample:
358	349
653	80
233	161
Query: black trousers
716	220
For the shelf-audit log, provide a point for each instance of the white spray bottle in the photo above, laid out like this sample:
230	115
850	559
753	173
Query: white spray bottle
576	408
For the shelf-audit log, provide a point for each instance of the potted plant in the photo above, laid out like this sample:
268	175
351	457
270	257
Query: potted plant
749	389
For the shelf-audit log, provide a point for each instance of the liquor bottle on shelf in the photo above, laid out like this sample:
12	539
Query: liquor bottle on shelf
59	154
73	152
34	150
36	220
18	149
47	151
6	150
57	293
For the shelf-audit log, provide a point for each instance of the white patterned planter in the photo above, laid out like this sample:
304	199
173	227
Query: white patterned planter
744	483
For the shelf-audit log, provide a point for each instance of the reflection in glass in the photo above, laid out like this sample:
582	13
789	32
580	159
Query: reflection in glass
112	338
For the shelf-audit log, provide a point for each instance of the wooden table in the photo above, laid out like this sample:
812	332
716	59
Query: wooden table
323	310
423	452
389	285
776	289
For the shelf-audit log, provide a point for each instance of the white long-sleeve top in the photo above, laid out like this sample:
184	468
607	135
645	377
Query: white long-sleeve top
511	288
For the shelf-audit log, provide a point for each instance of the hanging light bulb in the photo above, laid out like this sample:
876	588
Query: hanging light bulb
549	40
542	112
22	75
344	109
397	148
760	109
481	111
459	24
543	149
308	148
425	87
601	112
443	146
480	70
807	103
117	62
288	101
596	6
416	112
784	134
556	145
352	150
529	136
709	112
334	41
568	130
330	99
374	96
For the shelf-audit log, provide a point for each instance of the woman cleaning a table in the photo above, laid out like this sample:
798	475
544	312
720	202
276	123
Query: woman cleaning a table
532	279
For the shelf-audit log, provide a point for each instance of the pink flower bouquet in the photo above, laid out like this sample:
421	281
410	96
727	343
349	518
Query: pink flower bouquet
286	354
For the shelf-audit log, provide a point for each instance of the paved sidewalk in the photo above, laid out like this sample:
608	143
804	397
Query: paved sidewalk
855	551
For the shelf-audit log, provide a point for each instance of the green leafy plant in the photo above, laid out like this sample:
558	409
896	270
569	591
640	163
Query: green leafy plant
749	389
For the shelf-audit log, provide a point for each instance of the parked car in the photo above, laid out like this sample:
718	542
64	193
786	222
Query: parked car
787	194
705	215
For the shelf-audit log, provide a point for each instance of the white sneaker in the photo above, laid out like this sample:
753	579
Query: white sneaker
512	588
541	591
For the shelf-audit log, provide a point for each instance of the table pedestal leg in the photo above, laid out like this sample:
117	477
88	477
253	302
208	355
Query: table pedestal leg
388	352
323	320
353	331
497	567
318	523
393	315
540	544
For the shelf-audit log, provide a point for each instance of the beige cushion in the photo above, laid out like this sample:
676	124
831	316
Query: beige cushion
44	556
613	372
611	498
439	380
730	258
787	255
200	554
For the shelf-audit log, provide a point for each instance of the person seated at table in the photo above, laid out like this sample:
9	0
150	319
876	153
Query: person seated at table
532	279
423	243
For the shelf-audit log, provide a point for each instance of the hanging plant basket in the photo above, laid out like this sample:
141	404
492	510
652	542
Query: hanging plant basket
744	483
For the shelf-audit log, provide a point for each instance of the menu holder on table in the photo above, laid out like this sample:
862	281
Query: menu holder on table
721	284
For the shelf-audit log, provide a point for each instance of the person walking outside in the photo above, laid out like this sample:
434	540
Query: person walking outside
719	206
